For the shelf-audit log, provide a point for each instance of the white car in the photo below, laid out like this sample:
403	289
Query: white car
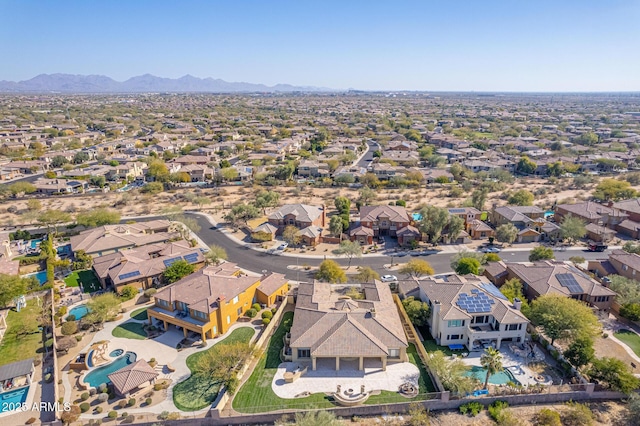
491	250
388	278
283	246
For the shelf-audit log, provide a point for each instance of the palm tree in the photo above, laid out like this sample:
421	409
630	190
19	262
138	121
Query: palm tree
491	360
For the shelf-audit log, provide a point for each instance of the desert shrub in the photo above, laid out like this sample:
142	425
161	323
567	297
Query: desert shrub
62	310
103	397
577	415
266	321
78	337
496	408
150	292
69	328
71	317
256	306
84	396
112	414
84	407
548	417
267	315
131	402
148	401
122	403
99	410
102	387
274	310
128	292
251	313
471	408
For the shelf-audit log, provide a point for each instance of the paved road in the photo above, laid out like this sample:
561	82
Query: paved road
258	261
368	157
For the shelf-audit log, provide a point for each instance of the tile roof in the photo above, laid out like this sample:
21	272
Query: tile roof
16	369
373	213
631	260
111	237
632	205
331	324
133	375
302	212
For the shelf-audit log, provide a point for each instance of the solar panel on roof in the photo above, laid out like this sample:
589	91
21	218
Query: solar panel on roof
171	261
569	282
456	210
493	290
474	290
192	257
129	275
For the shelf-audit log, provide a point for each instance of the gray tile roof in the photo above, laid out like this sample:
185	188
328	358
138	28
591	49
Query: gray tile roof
133	375
16	369
302	212
394	213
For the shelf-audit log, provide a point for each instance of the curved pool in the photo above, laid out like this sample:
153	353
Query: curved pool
98	376
13	399
501	378
79	311
116	353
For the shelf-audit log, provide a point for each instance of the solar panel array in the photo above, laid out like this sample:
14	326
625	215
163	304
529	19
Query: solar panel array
493	290
456	210
192	257
128	275
171	261
476	302
569	281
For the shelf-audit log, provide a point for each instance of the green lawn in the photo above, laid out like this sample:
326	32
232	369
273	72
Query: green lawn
130	330
630	338
140	314
256	395
196	392
22	339
430	344
88	279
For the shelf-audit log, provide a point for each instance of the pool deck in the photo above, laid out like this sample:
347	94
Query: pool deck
325	378
510	361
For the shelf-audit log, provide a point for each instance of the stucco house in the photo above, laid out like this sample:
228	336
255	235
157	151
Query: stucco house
299	215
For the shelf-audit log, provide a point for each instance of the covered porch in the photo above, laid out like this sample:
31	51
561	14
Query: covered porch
185	322
340	363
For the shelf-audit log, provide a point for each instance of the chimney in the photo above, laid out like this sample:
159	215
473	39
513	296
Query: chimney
373	312
517	304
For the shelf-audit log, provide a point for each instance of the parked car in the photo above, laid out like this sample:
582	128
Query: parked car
491	250
388	278
283	246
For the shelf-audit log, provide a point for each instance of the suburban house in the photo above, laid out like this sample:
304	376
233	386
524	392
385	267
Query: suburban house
630	226
59	186
16	375
552	277
619	263
468	310
143	266
590	212
384	220
112	238
332	329
299	215
209	301
312	168
530	222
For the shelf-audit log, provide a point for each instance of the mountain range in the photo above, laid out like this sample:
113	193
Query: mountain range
70	83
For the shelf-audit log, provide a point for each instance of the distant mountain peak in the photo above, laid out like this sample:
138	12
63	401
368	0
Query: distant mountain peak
75	83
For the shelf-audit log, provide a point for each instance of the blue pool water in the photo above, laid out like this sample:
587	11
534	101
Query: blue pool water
548	213
11	400
416	216
41	276
79	311
500	378
35	243
116	353
99	376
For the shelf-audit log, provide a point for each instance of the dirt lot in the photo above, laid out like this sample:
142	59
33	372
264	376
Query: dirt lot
134	203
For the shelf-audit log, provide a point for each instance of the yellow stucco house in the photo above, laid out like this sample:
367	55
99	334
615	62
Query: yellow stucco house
212	299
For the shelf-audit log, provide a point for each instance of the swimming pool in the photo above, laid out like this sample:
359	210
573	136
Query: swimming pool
501	378
416	216
34	243
40	276
11	400
79	311
98	376
116	353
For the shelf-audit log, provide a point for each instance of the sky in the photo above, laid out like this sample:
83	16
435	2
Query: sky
475	45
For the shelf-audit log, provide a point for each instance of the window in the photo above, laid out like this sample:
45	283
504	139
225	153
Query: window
455	323
239	311
456	337
512	327
215	329
235	299
394	353
228	319
304	353
625	267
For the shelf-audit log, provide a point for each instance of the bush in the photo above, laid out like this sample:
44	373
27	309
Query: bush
112	414
84	407
157	387
471	408
266	321
103	397
78	337
256	306
102	387
98	410
71	317
548	417
122	403
84	396
630	311
131	402
69	328
150	292
148	401
62	310
267	315
495	408
128	292
251	313
274	310
577	415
